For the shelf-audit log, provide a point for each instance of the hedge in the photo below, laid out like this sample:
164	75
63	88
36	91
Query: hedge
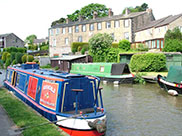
80	45
148	62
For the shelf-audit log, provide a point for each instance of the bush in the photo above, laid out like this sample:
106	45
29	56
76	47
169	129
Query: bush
83	51
174	45
142	47
14	62
56	68
8	62
37	61
124	45
18	57
30	58
45	47
75	45
148	62
12	56
4	56
24	58
22	50
115	45
112	55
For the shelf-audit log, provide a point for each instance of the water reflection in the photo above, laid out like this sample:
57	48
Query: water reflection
141	110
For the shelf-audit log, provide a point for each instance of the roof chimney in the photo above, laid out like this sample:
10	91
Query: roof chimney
110	13
95	15
149	10
80	18
127	11
67	20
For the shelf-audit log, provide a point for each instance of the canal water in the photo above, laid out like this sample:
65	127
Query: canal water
139	110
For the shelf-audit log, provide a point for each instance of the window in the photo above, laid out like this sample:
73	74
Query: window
126	23
51	32
126	36
57	31
77	29
161	44
158	46
66	41
63	30
83	28
112	34
54	42
91	27
99	26
101	68
116	24
70	30
108	25
80	39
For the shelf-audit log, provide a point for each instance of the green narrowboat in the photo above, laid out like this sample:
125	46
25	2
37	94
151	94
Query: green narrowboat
110	72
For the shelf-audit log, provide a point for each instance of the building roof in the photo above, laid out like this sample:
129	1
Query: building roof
5	35
160	22
101	19
69	57
38	41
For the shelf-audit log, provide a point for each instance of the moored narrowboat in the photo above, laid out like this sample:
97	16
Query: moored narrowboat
72	101
106	71
173	82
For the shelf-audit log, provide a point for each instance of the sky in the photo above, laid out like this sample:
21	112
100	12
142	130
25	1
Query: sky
26	17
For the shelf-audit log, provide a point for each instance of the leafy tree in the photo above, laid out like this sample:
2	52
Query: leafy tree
60	21
173	41
143	7
99	46
4	56
86	13
30	39
124	45
112	55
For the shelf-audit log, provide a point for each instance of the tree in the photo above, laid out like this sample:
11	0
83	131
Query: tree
143	7
30	39
86	13
60	21
173	41
100	45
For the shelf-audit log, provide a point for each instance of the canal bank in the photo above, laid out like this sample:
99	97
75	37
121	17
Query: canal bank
23	116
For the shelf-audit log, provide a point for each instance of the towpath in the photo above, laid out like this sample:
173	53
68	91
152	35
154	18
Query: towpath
7	127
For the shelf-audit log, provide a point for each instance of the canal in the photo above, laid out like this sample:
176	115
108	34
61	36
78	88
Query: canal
139	110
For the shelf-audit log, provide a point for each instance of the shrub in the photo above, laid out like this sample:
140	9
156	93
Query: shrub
142	47
99	46
18	57
22	50
79	48
124	45
115	45
24	58
12	56
75	45
112	55
8	62
30	58
56	68
37	61
4	56
45	47
174	45
83	51
148	62
14	62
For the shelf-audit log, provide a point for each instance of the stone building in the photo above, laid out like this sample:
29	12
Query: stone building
152	35
9	40
119	26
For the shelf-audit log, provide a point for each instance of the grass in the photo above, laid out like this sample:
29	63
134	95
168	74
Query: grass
23	115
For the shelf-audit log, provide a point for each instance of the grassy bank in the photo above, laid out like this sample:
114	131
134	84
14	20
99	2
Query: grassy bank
23	115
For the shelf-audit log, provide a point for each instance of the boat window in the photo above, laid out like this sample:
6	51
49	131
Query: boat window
8	75
101	68
21	81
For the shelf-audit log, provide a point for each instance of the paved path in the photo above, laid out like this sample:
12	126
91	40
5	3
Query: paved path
7	127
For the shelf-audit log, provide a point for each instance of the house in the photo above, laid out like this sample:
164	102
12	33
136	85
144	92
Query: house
40	41
119	26
10	40
152	35
64	62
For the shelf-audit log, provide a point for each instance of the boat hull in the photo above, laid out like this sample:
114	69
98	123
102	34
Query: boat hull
165	85
128	80
80	127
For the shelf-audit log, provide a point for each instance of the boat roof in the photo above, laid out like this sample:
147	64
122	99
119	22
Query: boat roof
51	74
175	74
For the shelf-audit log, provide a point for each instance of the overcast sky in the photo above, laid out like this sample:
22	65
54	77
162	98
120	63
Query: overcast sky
26	17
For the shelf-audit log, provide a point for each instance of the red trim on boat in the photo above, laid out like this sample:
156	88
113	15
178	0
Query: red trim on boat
49	78
74	132
26	97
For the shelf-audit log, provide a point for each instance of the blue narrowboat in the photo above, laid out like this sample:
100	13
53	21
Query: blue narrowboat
73	101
